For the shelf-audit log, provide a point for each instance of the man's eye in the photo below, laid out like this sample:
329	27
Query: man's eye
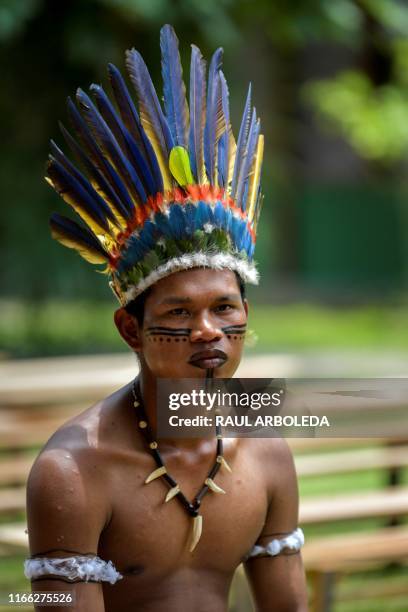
223	307
178	311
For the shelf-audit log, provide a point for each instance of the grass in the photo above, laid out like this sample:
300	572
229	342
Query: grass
61	328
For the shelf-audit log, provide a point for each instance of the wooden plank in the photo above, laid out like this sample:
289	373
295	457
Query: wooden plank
15	470
35	435
352	461
12	499
13	535
305	445
347	552
391	501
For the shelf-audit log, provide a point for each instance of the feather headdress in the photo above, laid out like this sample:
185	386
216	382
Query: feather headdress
160	190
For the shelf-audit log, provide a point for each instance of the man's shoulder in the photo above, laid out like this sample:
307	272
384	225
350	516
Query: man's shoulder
81	442
275	461
273	449
90	429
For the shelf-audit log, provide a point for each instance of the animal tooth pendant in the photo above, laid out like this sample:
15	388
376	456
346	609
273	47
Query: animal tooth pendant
214	487
222	461
196	532
156	474
172	493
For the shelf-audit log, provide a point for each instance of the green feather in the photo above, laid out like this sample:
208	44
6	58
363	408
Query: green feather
179	163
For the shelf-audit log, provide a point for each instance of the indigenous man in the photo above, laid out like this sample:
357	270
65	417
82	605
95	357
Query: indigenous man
171	205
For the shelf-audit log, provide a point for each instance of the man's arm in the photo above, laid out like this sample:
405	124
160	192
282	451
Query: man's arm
278	583
64	513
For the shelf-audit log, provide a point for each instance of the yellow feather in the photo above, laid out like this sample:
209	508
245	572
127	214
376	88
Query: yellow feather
69	199
119	217
163	163
91	256
254	182
232	151
180	168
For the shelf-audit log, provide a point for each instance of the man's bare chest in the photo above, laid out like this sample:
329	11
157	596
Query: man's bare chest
147	535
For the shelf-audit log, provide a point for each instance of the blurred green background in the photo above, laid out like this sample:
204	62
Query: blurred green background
330	82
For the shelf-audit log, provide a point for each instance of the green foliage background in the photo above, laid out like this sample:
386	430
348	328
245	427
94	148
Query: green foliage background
337	237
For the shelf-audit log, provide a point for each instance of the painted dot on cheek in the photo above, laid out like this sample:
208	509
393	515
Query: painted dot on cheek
229	337
168	340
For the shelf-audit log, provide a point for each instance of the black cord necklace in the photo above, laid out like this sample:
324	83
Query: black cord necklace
193	507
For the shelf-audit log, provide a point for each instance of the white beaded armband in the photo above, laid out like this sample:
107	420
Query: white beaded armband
79	568
294	542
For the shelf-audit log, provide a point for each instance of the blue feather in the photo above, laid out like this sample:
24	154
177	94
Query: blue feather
174	90
134	251
72	192
73	231
220	215
245	194
189	215
223	144
163	224
177	221
222	161
148	235
148	101
98	161
203	215
247	159
110	147
71	169
242	141
131	120
211	115
197	114
78	237
235	231
248	242
124	138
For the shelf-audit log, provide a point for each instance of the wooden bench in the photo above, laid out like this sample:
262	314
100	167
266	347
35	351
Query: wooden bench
327	559
378	457
391	501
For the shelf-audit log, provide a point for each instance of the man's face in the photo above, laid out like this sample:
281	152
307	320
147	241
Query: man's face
194	321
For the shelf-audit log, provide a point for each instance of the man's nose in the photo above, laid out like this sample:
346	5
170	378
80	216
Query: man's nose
205	329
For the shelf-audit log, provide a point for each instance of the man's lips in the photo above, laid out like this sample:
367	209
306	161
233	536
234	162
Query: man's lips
212	358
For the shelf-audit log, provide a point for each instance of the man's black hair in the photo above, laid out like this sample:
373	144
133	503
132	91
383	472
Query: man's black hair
136	307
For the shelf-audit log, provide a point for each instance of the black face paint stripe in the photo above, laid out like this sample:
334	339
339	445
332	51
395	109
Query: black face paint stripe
168	331
234	329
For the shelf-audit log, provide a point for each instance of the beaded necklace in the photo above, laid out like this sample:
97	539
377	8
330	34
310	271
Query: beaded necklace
193	507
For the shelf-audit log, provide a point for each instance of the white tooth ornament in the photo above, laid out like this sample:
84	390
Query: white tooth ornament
196	532
171	493
222	461
214	487
156	474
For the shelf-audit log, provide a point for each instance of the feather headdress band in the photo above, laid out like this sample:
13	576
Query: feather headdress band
160	191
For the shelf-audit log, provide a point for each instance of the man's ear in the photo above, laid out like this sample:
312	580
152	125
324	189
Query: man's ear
128	328
246	307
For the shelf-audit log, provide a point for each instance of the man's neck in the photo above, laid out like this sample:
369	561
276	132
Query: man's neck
147	385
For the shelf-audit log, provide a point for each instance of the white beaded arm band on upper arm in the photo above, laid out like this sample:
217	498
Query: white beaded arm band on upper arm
78	568
293	541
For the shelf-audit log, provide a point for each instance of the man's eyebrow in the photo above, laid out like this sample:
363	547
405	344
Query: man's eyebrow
174	299
232	297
